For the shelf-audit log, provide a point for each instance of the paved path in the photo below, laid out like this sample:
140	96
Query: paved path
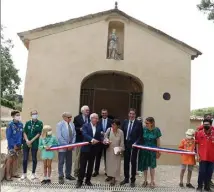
167	179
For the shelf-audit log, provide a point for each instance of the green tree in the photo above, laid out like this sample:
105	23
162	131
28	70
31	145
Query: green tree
203	111
207	7
10	79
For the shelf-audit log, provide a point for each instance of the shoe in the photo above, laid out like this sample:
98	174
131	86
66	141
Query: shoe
88	183
145	184
189	185
108	179
44	181
48	181
61	180
207	189
140	174
181	185
78	185
199	189
71	178
124	182
132	184
152	185
33	176
8	179
113	181
15	176
211	184
24	176
95	174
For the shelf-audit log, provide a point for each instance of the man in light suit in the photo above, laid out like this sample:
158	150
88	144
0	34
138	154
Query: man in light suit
91	133
79	121
104	123
66	134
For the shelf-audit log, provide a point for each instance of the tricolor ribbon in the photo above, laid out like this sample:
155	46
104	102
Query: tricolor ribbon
58	147
165	150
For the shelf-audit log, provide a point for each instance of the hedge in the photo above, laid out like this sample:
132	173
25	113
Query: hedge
6	103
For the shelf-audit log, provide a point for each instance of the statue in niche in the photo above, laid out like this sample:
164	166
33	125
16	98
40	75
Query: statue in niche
113	46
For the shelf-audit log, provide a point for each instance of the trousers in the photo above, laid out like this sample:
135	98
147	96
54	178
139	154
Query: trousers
25	159
65	158
205	174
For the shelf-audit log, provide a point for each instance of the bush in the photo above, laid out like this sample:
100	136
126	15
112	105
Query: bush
6	103
18	106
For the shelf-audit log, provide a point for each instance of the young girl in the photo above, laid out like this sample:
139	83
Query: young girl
187	160
45	142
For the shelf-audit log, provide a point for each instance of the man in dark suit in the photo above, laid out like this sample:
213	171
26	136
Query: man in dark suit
132	129
104	124
91	133
79	121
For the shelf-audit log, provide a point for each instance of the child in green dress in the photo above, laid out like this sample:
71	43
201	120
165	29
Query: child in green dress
45	142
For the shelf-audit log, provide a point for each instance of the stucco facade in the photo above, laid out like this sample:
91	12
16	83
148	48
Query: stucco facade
61	56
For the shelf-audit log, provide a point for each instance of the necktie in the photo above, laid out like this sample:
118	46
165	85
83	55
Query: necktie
104	125
70	132
129	130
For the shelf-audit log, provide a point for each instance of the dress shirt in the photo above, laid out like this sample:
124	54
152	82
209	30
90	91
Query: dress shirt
85	118
66	124
104	122
93	129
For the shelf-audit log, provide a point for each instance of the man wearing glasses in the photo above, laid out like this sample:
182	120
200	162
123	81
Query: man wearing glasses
66	134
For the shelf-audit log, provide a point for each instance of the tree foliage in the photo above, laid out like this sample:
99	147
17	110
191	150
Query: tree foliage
207	7
203	111
10	79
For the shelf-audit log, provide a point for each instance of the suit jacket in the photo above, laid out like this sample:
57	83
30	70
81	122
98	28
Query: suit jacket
79	122
62	134
100	123
88	136
136	135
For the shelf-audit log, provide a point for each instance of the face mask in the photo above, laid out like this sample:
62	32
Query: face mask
34	116
49	133
206	127
17	118
189	136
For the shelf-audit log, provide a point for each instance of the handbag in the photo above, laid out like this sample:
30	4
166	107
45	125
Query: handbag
106	146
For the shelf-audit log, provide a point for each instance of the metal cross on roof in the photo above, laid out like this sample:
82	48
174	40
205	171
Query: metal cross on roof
116	5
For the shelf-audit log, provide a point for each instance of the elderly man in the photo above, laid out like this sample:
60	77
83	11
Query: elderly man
104	123
91	133
79	121
66	134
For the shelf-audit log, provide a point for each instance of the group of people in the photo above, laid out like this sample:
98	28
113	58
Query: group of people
106	136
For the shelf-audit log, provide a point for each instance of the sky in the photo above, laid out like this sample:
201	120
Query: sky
178	18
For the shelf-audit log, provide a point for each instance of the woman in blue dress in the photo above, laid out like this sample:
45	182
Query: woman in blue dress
45	142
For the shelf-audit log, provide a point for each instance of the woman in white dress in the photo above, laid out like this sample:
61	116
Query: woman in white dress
115	138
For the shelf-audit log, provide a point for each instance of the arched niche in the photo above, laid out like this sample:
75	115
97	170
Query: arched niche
115	42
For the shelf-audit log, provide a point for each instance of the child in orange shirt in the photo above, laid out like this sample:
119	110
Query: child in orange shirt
187	144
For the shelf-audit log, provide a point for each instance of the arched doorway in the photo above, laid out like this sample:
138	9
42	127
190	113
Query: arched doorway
114	91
